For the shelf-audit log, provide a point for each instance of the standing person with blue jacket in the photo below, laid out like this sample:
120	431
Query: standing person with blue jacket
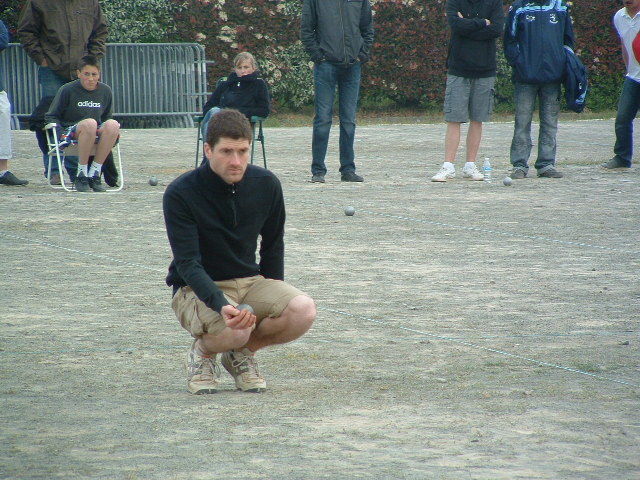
337	35
534	39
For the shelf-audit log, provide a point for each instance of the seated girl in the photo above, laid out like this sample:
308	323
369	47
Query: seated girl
243	90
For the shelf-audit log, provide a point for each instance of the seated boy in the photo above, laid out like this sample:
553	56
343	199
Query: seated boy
83	109
243	90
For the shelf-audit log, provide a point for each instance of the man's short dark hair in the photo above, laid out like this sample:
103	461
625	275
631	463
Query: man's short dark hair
228	123
90	60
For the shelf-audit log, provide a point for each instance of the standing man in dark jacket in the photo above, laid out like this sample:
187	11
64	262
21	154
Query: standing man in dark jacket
214	216
471	76
534	40
57	34
337	35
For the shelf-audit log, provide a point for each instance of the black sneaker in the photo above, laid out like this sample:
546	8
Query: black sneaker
318	178
351	177
550	173
96	184
10	179
615	163
81	183
518	174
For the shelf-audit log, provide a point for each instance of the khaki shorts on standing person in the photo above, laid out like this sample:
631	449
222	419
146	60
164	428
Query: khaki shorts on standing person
468	99
267	297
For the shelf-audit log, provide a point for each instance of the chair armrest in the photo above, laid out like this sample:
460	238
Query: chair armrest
198	118
49	126
256	119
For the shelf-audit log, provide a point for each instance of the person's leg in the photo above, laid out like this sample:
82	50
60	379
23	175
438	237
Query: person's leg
108	134
451	141
49	83
480	110
85	134
205	122
549	98
324	78
86	131
474	136
456	112
525	100
628	105
348	93
294	321
283	314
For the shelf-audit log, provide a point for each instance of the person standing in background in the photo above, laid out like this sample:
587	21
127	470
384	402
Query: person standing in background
6	177
56	34
337	35
627	24
471	76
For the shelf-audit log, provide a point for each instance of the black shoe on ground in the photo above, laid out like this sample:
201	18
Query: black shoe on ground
96	184
55	179
518	174
10	179
550	173
351	177
82	183
317	178
615	163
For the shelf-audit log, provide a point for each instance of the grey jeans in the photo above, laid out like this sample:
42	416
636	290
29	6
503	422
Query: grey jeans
526	94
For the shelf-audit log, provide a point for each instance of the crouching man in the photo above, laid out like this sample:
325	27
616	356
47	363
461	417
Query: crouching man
214	216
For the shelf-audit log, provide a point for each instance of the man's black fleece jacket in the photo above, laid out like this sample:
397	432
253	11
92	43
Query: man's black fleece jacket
213	228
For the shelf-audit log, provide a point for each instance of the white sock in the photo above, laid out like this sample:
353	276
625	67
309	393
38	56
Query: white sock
449	166
469	164
83	169
2	172
95	167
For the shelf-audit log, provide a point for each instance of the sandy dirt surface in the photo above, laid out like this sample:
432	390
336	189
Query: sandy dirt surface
465	330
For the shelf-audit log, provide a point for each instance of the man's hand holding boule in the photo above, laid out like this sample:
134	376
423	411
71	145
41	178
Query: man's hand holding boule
237	319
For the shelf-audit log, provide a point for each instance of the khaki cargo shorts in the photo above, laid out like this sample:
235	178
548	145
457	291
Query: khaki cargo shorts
268	298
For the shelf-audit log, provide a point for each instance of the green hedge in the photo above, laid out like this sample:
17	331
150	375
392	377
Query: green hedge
408	64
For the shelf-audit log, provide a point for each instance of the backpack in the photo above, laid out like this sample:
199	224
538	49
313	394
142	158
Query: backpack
575	81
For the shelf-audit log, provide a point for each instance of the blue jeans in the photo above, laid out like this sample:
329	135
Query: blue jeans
205	122
525	102
347	78
50	82
628	105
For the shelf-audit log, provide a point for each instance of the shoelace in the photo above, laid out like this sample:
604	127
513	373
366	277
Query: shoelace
245	363
212	367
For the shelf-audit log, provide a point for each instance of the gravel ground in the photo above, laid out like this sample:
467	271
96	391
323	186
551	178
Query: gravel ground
465	330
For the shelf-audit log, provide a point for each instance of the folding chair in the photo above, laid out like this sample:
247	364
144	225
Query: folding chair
59	149
259	136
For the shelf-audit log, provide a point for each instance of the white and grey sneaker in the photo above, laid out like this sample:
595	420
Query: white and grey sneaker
472	172
242	366
203	373
444	174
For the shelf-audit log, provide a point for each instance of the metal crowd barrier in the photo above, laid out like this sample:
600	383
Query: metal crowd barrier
154	84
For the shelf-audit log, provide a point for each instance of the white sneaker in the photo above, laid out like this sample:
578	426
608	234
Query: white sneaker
472	172
443	175
242	366
203	373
